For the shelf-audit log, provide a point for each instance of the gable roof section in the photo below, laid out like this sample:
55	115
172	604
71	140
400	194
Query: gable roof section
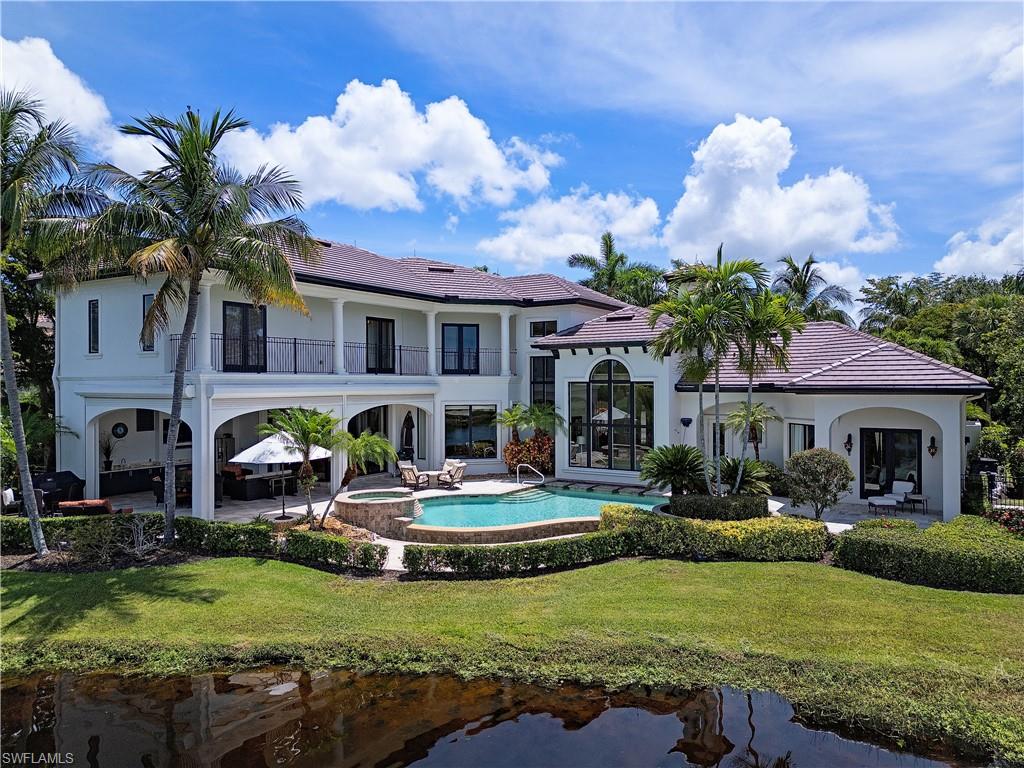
629	327
347	266
826	357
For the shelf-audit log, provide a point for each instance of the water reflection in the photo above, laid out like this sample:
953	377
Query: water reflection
298	718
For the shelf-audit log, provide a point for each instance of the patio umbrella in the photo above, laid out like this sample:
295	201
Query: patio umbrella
276	450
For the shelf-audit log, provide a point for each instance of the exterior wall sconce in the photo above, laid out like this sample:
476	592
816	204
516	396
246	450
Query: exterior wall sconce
932	447
848	445
686	421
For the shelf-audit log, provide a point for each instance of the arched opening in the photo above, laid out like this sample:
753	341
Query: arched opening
406	426
611	419
129	449
886	446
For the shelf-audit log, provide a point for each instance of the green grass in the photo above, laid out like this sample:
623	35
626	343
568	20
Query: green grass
912	663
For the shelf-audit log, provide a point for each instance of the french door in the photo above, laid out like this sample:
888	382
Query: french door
887	455
380	345
245	338
460	348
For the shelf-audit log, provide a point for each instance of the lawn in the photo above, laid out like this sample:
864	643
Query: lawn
909	662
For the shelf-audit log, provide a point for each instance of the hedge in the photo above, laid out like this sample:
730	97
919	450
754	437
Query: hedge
968	553
15	535
338	551
505	559
628	531
767	539
220	538
702	507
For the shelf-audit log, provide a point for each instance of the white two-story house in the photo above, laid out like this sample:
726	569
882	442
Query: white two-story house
427	353
423	352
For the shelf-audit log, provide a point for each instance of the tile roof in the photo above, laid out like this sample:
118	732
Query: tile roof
628	326
826	357
351	267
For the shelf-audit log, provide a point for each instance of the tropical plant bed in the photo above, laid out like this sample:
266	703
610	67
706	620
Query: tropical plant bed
916	664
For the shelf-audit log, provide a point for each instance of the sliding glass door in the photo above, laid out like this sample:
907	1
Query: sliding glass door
887	455
380	345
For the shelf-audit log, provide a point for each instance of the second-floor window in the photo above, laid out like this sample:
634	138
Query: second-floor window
380	345
94	326
245	337
543	328
542	380
147	339
460	348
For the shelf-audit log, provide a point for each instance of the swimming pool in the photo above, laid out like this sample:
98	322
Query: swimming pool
529	506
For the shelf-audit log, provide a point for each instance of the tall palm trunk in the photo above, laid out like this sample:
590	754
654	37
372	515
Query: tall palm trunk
746	422
701	441
718	431
28	492
177	392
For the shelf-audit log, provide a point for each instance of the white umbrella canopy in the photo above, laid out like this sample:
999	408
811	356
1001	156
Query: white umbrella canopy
276	450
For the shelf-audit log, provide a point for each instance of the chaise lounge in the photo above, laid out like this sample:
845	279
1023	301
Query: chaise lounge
893	500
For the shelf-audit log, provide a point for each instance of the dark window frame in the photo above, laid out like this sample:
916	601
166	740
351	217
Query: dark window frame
546	385
887	437
808	429
385	353
460	351
492	408
93	326
147	344
589	423
552	323
247	365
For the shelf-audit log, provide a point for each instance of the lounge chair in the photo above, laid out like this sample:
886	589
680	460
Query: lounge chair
893	500
412	477
449	478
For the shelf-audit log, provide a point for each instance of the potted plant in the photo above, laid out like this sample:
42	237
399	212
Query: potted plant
107	444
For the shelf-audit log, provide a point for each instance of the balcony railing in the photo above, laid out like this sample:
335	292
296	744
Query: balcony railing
279	354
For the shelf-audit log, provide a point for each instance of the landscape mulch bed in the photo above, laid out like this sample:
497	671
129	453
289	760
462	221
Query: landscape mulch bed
62	562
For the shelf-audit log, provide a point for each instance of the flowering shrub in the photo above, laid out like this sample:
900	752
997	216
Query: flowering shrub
537	451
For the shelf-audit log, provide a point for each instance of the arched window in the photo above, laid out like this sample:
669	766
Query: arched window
611	419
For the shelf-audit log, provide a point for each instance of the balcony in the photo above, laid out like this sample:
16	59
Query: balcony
279	354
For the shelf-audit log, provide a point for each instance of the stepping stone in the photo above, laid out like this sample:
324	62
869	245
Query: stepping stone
604	489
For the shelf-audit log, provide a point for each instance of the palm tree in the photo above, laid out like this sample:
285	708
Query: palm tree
751	420
766	330
38	160
513	418
368	448
806	289
192	215
544	419
734	283
889	302
613	274
699	333
303	430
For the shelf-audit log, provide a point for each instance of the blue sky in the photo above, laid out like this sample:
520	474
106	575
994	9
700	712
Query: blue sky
885	137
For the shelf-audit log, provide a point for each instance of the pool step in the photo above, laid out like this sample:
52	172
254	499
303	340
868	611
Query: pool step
525	497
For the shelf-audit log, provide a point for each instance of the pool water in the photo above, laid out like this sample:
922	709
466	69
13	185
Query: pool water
530	506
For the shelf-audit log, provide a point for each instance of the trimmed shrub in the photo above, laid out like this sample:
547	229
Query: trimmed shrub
703	507
60	532
968	553
327	549
776	479
221	538
507	559
818	477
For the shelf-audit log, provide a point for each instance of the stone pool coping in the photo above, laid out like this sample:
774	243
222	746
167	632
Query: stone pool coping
500	534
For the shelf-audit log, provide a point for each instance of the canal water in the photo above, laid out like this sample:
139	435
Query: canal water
283	717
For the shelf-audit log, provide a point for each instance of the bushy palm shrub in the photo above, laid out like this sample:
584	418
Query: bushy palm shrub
755	476
680	467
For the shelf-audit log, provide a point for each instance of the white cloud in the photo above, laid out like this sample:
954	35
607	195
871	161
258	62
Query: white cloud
908	89
733	196
31	65
995	248
451	223
377	147
552	229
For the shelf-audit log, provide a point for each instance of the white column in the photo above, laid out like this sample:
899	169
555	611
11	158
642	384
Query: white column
339	460
338	307
948	444
431	343
203	351
506	362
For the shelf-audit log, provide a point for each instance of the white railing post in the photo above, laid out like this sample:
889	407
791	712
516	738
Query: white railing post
431	343
203	352
506	362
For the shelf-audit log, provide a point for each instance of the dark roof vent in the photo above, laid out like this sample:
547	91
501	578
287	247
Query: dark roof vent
449	270
325	243
618	318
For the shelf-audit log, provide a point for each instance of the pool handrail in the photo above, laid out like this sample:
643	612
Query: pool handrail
532	469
